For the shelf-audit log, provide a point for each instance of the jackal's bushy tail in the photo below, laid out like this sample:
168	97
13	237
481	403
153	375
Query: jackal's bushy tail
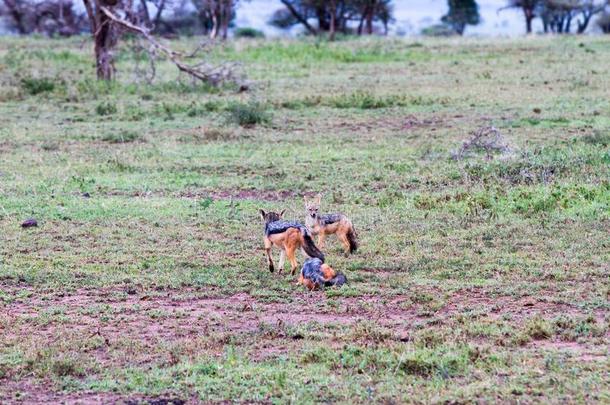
338	280
351	238
310	247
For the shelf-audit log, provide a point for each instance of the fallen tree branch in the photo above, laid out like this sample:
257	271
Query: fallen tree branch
213	76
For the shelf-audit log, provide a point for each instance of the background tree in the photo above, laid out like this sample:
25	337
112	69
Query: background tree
603	22
215	16
47	17
333	16
558	15
587	9
530	10
462	13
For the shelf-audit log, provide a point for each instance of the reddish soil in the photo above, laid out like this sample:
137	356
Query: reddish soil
186	317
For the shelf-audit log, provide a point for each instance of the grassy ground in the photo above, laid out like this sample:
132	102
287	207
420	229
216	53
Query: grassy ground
481	278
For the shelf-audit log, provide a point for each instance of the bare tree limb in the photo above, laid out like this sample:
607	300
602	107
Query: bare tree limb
299	17
212	76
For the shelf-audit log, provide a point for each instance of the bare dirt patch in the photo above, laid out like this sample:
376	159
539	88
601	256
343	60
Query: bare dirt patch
202	323
26	392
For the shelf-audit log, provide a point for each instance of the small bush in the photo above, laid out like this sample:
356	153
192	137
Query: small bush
248	32
361	100
50	146
64	367
438	30
248	115
121	137
597	138
134	113
106	108
35	86
196	111
217	134
571	328
10	94
485	139
213	106
538	328
370	332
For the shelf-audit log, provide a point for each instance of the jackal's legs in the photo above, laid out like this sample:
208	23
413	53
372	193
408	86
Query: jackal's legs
268	245
282	260
344	242
321	237
290	252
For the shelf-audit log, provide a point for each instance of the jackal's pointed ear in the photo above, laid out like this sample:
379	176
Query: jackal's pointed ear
318	198
282	212
305	199
262	214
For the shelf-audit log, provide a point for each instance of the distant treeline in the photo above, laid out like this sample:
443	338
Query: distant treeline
316	17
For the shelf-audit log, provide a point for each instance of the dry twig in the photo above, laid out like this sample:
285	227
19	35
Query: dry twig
486	139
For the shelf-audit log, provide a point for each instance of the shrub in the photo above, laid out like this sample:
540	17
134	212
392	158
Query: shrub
121	137
438	30
366	101
248	32
217	134
538	328
597	138
134	113
485	139
248	115
35	86
106	108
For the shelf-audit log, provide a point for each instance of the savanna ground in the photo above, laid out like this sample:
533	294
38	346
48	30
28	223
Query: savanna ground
483	278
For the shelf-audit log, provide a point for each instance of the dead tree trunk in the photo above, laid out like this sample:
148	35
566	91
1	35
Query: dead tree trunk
145	14
104	37
370	14
529	16
226	11
333	20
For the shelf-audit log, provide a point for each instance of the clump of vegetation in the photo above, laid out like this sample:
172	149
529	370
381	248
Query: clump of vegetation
121	137
538	328
438	30
248	32
34	86
106	108
369	332
217	134
134	112
248	115
488	140
601	138
572	328
364	100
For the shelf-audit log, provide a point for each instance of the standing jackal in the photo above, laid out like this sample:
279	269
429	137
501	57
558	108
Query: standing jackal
288	236
327	224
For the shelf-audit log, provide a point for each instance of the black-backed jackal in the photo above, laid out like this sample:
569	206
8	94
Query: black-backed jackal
316	275
328	224
288	236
